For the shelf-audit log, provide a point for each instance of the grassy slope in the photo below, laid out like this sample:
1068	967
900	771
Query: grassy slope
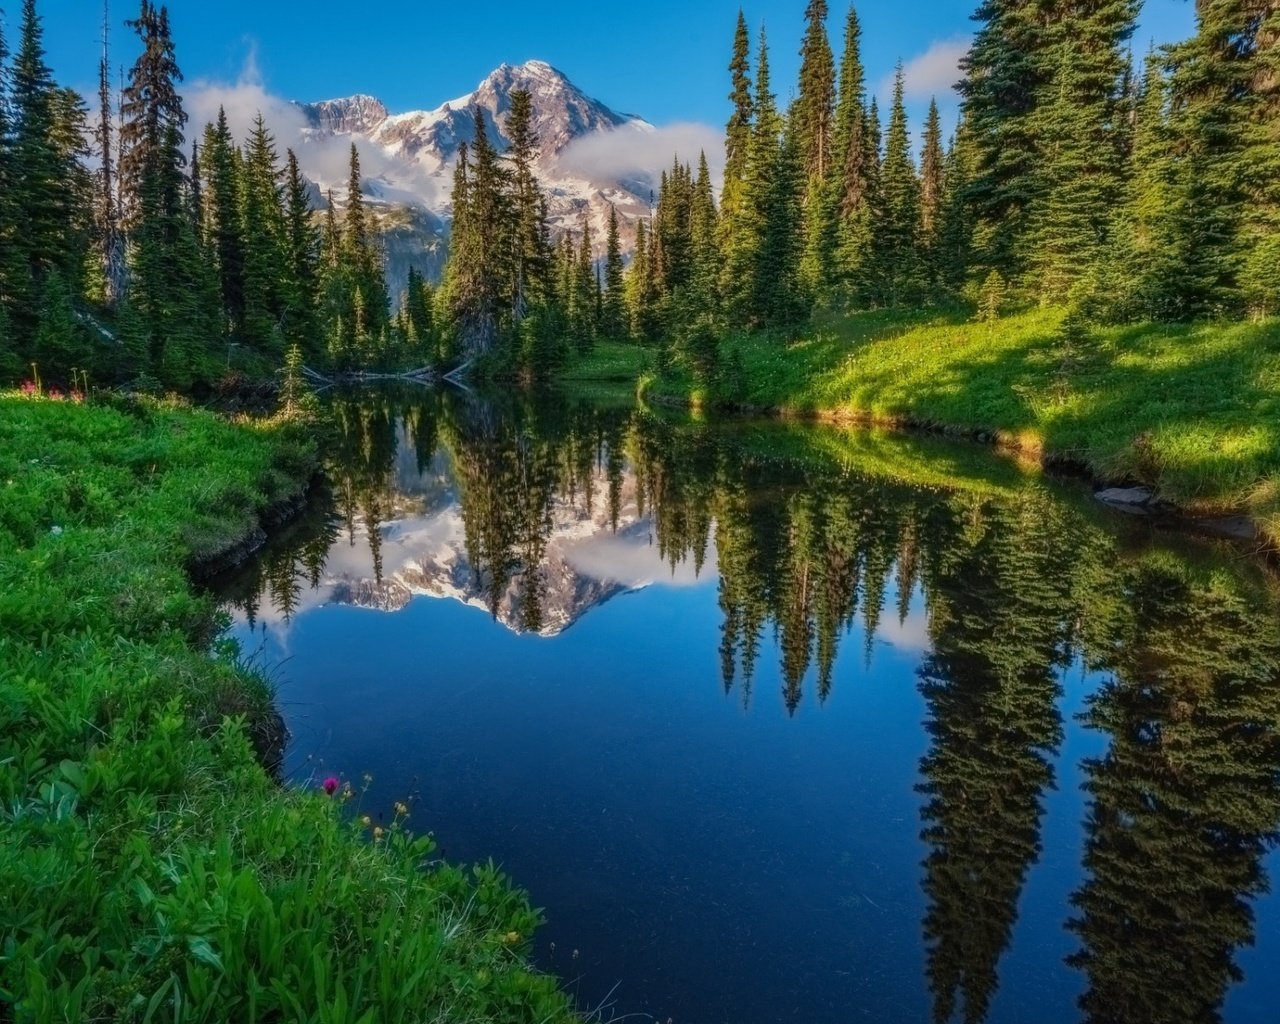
1191	409
149	868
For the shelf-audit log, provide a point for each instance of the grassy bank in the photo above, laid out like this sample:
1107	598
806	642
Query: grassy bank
150	870
1191	410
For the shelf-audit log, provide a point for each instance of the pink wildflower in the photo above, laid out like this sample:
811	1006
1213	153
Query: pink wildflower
330	785
29	388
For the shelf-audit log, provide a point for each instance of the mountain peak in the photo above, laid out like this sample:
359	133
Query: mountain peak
359	114
529	67
417	151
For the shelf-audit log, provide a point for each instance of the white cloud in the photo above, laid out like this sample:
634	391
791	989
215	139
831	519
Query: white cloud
933	73
634	151
243	100
633	561
325	161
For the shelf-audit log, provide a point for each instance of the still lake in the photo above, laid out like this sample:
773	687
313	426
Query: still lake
790	723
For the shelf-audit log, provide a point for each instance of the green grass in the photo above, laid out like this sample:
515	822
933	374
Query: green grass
1192	410
609	361
150	869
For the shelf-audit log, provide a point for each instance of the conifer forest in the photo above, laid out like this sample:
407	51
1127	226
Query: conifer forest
1128	187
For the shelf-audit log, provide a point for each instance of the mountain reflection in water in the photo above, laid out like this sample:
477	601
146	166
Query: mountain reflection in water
1023	761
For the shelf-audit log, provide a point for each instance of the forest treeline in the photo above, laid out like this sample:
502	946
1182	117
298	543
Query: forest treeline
140	247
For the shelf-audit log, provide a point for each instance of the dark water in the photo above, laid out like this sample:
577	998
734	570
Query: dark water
790	724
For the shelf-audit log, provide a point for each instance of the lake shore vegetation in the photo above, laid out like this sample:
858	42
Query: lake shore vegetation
150	867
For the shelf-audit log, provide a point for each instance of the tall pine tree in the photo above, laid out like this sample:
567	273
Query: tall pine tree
734	230
170	282
614	317
814	115
898	262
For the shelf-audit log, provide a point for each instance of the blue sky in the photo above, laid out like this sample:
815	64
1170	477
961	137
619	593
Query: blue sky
664	60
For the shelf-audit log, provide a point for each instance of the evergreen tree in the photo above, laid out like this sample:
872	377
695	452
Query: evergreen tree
760	265
673	231
529	239
852	169
370	310
1079	140
301	263
614	315
861	213
640	291
932	192
45	144
814	115
480	280
223	225
419	320
815	104
1003	77
1260	275
780	295
59	342
111	245
263	229
899	266
704	239
738	132
955	230
582	306
1221	195
170	292
338	291
9	263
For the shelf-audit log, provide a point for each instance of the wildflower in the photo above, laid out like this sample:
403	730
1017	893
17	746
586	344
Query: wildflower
347	791
511	938
365	820
330	786
77	396
378	833
29	389
402	809
56	531
55	394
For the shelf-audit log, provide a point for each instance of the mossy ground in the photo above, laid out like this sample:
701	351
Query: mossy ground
150	869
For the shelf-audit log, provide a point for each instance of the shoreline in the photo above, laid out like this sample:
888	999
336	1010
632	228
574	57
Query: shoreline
1187	411
152	855
1221	524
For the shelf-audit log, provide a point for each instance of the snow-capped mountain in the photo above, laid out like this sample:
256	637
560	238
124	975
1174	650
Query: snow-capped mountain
587	558
412	184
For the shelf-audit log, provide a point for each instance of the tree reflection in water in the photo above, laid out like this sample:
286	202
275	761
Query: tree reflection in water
813	534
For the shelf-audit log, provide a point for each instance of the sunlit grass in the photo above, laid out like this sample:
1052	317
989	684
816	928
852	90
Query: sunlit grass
150	869
1191	409
609	361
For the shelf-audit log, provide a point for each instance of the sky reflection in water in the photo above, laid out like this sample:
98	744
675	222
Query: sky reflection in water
785	723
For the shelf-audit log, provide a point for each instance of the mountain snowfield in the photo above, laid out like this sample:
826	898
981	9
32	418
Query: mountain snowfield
582	164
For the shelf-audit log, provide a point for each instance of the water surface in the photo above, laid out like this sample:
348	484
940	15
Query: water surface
787	723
